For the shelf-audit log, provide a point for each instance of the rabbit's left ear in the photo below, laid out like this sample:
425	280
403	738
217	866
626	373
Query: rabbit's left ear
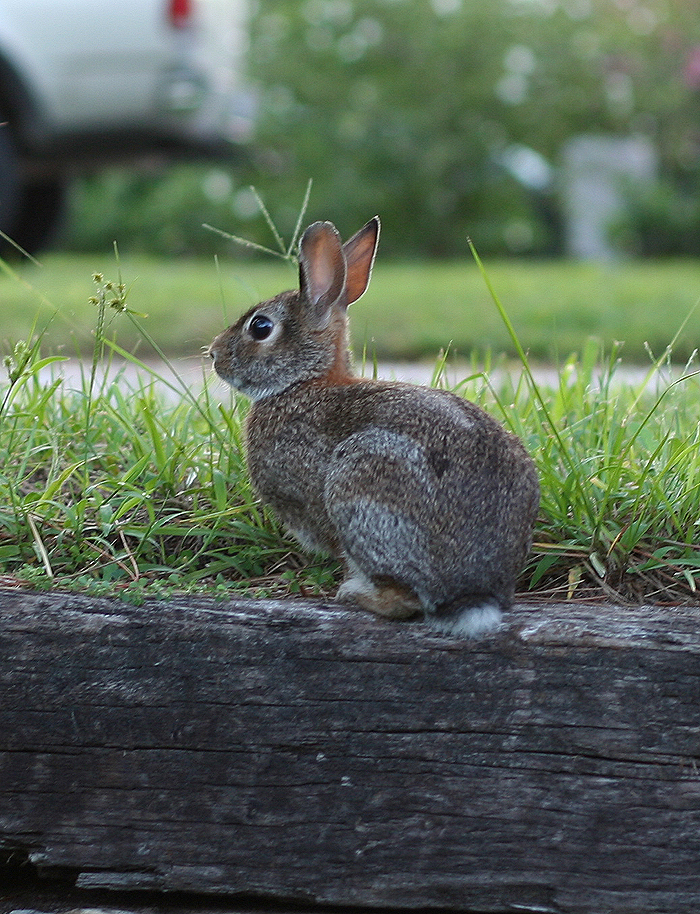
359	252
321	271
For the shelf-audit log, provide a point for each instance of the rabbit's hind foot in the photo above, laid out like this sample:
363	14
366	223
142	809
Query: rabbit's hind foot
393	601
473	620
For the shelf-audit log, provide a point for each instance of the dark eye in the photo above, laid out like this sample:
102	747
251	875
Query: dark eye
260	327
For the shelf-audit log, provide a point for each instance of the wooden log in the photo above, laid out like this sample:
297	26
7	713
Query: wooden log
300	751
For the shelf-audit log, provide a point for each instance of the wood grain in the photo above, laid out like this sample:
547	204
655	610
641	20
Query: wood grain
295	751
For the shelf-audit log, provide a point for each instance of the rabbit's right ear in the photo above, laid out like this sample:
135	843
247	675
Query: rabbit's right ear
321	271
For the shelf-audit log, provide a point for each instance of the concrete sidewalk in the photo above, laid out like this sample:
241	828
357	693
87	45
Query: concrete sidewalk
195	371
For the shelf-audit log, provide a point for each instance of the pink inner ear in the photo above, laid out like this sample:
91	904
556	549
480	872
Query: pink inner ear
322	264
359	254
323	272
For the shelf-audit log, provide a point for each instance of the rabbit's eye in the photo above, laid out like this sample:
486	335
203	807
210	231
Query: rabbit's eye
260	327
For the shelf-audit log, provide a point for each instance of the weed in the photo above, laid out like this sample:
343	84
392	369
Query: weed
115	487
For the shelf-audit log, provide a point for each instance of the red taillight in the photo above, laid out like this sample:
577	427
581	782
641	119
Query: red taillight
180	13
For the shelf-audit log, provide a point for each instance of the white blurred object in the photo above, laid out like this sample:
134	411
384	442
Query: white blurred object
595	170
87	83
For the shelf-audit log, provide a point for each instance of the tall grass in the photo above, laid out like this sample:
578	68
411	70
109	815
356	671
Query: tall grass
620	472
115	486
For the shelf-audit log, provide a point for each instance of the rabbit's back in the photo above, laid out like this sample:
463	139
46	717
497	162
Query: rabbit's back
409	475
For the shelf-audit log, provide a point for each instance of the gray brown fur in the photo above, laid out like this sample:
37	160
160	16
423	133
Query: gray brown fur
426	498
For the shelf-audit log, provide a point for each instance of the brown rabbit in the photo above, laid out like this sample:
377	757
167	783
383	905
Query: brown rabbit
429	502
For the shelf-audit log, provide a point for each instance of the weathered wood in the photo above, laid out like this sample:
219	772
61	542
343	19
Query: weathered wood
296	751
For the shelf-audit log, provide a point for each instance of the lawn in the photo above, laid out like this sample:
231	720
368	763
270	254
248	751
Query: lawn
411	310
113	486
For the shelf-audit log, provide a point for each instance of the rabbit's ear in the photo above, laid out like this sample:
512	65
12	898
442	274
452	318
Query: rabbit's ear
321	270
359	254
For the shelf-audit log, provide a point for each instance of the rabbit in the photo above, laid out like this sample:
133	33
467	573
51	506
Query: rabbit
429	502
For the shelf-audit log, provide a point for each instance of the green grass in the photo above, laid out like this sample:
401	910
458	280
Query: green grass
110	487
114	487
411	309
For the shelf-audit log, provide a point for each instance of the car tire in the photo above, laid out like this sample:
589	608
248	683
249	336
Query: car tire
10	186
40	212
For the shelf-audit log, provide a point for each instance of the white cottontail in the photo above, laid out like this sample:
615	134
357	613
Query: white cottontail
429	502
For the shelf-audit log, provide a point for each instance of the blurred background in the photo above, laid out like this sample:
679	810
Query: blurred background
535	127
561	136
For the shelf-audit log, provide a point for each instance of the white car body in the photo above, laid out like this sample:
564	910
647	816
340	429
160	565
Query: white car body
88	82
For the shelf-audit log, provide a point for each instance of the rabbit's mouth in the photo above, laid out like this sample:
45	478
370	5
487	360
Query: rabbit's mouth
227	376
211	351
254	390
217	363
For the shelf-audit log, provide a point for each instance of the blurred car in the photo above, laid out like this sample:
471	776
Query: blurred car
87	83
